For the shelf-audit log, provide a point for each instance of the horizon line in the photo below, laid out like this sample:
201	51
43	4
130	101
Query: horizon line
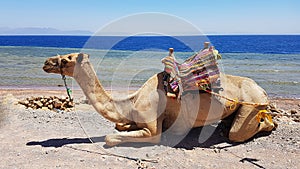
115	35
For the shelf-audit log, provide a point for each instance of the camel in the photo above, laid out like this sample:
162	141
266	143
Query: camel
145	114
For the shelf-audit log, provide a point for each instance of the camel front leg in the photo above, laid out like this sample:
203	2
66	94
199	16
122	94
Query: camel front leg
151	133
245	124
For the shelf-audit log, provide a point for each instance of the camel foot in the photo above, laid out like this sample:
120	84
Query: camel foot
112	140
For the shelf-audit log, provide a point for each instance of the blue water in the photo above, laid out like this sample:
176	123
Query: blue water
273	61
277	44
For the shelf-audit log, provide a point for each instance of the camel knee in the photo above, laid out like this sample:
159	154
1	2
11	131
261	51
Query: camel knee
125	127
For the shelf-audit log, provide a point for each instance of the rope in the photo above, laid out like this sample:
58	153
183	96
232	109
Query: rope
138	160
69	91
261	114
236	101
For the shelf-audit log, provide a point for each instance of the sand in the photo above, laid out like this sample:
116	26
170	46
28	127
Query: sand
46	139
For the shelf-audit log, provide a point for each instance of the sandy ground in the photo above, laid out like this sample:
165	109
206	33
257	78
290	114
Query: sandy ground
46	139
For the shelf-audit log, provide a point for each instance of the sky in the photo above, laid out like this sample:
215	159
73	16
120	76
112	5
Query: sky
210	16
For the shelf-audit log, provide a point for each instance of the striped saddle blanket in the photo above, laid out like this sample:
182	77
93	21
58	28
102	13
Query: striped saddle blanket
199	72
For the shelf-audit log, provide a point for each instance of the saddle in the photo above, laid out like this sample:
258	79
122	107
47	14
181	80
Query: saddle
199	72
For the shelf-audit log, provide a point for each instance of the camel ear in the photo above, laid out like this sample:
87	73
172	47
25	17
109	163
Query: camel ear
82	57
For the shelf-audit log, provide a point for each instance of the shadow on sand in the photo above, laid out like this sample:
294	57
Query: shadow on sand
59	142
189	142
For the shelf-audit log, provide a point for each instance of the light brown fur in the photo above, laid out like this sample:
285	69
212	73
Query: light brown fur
144	114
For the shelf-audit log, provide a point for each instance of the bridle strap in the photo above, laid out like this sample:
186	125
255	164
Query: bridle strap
69	91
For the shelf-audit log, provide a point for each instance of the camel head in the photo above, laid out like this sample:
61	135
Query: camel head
64	64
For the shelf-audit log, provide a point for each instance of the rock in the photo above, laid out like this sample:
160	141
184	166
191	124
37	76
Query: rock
57	104
47	103
50	106
38	103
64	105
25	102
70	104
44	108
296	120
293	111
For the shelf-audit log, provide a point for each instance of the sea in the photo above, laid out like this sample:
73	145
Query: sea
122	63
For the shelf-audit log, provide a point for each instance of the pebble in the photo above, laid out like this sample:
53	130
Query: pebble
293	111
217	150
120	159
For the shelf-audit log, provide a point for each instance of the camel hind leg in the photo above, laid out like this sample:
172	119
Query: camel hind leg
245	124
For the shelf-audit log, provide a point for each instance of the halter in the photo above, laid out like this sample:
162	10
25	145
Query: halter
69	91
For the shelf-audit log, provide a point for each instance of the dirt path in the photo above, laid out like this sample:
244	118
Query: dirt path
45	139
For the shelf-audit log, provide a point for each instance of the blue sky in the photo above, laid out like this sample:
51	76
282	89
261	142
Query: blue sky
211	16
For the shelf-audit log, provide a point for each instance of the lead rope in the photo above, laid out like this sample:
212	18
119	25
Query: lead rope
69	91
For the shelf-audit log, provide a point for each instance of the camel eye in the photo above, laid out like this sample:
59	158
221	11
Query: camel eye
70	57
64	61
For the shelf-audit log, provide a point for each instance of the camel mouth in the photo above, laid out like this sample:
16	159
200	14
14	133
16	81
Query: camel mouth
50	66
47	69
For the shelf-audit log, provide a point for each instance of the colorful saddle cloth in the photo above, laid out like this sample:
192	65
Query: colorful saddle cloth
199	72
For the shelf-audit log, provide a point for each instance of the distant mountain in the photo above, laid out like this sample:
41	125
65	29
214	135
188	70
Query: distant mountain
41	31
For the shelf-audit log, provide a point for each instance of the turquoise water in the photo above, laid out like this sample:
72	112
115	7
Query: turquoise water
21	67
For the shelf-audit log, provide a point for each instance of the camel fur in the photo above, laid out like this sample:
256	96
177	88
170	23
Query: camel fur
142	116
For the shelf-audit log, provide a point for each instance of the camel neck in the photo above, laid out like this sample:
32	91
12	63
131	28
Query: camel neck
86	77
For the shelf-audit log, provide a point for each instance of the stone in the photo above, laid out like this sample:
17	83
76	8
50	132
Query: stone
50	106
57	104
38	103
45	108
293	111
